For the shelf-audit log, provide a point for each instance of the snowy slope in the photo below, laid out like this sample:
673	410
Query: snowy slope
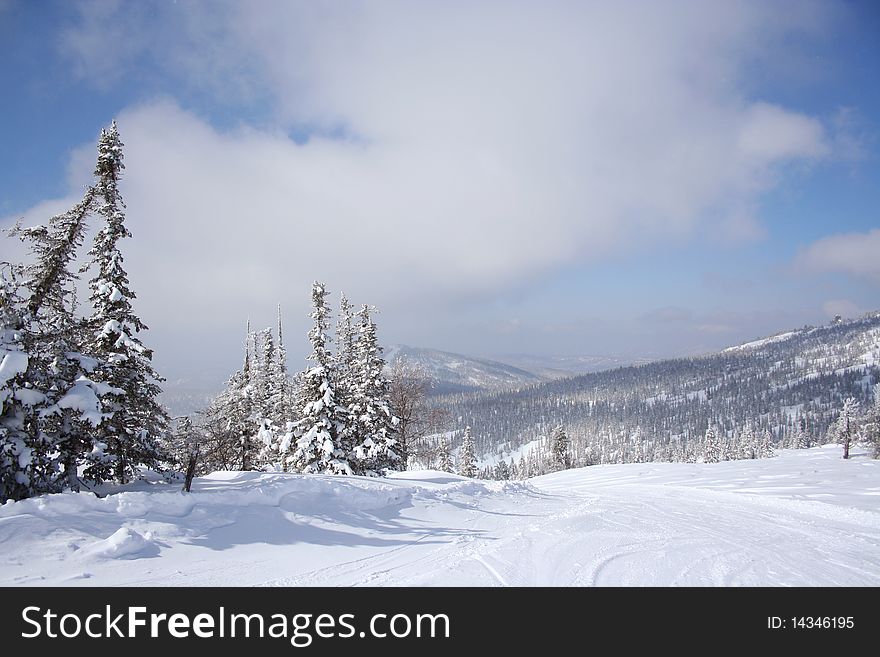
458	373
560	367
803	518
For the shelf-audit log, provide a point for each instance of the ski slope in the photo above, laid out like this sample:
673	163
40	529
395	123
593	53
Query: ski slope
803	518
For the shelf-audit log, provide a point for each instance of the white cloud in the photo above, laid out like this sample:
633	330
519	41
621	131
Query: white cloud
851	253
843	307
487	144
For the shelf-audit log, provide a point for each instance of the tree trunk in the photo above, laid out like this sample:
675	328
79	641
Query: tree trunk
190	470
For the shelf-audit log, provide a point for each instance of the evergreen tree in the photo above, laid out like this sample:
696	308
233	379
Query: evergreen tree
711	448
15	414
346	338
765	448
801	439
467	464
502	473
638	450
871	424
283	400
748	443
844	430
444	459
369	411
264	375
345	380
317	431
559	449
61	405
136	421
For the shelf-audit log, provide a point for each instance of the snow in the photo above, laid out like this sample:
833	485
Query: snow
82	397
806	517
124	543
760	343
12	364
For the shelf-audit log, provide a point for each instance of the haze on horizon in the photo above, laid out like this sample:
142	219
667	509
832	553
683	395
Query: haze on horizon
638	179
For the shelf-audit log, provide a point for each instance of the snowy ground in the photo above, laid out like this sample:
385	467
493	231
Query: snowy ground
803	518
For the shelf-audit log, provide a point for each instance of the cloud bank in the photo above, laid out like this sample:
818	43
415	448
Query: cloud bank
429	155
855	254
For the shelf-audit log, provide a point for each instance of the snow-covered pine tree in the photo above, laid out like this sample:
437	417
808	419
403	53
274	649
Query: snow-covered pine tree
60	404
136	420
376	450
501	473
262	374
765	447
344	377
801	440
871	424
748	443
283	400
638	453
711	447
317	431
467	463
15	434
444	459
560	447
844	430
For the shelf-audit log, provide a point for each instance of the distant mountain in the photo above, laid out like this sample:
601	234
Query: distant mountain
455	373
188	396
783	384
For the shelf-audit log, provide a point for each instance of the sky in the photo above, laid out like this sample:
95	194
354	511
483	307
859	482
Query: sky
636	179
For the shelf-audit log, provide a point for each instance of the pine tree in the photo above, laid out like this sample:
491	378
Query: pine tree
638	450
376	450
467	464
264	375
502	473
63	405
844	430
317	431
559	449
801	440
711	448
15	413
444	459
765	448
283	401
748	443
344	377
136	419
871	424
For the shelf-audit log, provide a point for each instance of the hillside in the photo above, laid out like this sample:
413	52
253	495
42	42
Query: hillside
454	373
804	518
560	367
660	410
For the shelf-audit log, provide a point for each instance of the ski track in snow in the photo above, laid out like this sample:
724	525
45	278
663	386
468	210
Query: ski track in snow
803	518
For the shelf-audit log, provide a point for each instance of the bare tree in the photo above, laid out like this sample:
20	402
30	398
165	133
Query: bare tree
410	384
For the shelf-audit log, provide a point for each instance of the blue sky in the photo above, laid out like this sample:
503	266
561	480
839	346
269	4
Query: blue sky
644	179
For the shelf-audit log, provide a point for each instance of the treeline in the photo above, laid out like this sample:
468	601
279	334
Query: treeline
854	424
